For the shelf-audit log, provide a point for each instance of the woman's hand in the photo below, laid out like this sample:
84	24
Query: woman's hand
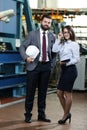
62	63
60	36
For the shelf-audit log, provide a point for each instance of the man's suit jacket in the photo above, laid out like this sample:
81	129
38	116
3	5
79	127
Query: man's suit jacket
34	39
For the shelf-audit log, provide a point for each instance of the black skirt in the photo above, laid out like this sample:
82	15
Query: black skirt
67	78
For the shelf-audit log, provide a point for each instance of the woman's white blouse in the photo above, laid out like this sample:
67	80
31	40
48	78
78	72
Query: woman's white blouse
68	50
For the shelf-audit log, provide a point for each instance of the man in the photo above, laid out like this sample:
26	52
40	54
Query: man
38	69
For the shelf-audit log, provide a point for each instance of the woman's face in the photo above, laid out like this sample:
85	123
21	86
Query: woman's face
66	34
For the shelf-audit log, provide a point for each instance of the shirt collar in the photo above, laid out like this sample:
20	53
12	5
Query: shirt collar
41	31
68	41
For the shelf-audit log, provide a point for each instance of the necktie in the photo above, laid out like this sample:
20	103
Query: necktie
44	47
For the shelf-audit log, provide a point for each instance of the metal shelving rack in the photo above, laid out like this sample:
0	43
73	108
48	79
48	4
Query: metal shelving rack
12	67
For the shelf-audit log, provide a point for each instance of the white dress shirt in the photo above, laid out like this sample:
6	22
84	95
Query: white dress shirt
67	50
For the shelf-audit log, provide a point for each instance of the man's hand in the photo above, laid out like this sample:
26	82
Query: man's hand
29	59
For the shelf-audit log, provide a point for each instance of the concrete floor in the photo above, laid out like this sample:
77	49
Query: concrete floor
12	118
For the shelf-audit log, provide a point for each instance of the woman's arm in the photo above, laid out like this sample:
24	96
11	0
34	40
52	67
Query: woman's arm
57	43
75	54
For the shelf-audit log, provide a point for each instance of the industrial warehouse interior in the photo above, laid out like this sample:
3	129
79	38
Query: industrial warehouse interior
17	19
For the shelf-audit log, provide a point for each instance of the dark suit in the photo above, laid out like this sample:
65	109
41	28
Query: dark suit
37	73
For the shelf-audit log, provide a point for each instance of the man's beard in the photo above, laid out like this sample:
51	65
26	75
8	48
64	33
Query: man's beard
44	28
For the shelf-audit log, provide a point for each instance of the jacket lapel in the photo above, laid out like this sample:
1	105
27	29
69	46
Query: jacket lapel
49	38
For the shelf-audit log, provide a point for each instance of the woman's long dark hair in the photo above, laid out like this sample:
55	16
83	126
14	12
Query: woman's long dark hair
71	32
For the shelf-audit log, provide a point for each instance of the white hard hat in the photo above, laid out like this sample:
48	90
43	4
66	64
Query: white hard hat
32	51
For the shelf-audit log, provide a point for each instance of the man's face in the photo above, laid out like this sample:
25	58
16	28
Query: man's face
46	24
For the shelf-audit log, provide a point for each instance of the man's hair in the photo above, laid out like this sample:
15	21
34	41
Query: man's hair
46	16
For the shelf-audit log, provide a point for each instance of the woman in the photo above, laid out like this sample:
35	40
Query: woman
69	56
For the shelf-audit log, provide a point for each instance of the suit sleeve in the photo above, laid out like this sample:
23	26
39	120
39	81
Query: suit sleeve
54	58
24	45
